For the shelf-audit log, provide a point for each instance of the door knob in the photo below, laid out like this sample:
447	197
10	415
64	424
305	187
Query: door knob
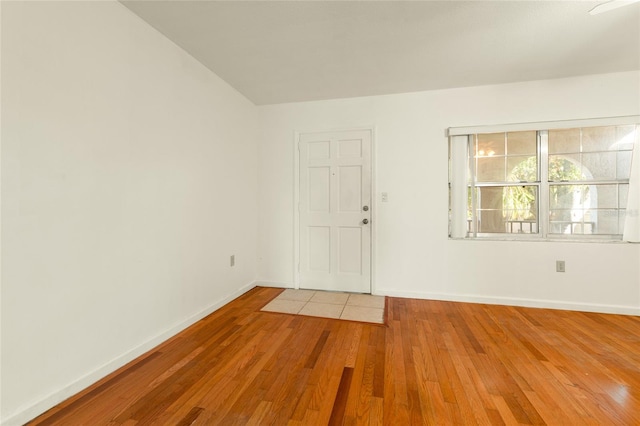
365	221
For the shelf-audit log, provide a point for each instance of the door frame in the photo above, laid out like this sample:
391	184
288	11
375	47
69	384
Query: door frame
296	200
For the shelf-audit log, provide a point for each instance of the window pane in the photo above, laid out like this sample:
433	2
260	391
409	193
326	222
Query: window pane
623	191
597	161
598	139
522	169
606	221
568	227
521	143
625	137
621	217
623	166
568	207
564	168
582	197
490	144
490	169
586	209
601	165
507	209
567	197
604	196
565	140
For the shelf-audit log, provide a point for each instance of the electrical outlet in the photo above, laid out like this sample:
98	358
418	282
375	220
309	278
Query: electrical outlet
559	265
232	260
385	197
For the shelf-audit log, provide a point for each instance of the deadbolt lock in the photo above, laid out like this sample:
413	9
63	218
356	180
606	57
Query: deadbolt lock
365	208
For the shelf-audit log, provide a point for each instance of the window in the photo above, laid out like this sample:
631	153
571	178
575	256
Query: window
554	182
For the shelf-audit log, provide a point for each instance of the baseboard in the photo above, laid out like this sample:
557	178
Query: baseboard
276	284
514	301
27	413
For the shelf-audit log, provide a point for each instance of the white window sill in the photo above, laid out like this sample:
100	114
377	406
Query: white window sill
545	240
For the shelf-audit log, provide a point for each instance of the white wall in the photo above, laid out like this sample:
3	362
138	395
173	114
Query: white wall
413	254
128	179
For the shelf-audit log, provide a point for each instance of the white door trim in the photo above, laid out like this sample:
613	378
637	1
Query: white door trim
296	201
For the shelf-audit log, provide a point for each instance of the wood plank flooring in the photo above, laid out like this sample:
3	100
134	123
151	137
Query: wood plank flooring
433	363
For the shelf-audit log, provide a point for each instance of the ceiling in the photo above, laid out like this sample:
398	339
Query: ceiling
286	51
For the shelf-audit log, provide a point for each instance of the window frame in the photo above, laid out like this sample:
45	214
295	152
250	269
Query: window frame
505	183
465	135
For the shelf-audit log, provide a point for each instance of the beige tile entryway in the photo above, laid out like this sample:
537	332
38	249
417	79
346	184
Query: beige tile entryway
329	304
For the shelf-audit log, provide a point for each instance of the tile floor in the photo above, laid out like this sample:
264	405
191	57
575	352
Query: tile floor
329	304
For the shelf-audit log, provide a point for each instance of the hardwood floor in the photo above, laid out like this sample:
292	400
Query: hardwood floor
434	363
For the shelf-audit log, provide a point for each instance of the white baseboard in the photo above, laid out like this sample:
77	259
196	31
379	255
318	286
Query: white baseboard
27	413
514	301
276	284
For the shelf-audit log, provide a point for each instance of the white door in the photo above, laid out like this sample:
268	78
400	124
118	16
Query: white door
335	211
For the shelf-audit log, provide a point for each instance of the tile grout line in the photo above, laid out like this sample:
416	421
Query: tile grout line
343	306
306	303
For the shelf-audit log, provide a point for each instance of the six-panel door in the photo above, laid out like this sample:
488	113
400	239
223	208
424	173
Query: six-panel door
335	211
